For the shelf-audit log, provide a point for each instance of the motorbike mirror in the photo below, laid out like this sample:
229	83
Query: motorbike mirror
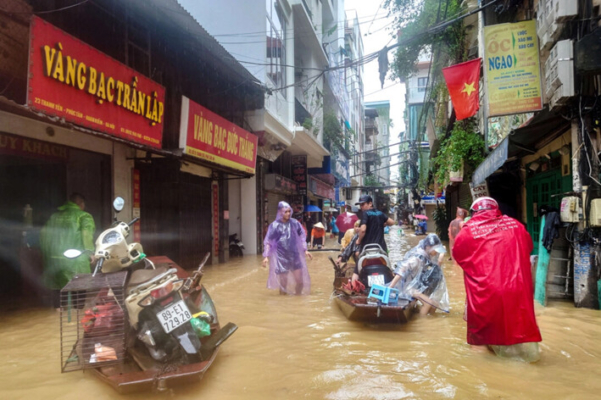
118	204
72	253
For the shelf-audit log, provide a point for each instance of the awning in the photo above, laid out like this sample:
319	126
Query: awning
527	139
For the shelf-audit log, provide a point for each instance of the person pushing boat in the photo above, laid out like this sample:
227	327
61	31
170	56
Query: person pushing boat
420	276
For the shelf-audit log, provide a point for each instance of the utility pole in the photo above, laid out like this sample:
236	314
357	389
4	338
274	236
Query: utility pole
481	50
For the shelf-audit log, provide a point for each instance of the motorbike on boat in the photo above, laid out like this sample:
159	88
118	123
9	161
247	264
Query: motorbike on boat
373	304
170	333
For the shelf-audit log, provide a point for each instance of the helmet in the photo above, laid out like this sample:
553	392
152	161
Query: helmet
484	203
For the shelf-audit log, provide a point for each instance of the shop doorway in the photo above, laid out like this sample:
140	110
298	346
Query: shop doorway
540	190
35	179
176	213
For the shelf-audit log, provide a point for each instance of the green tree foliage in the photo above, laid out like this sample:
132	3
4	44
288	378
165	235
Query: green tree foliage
371	180
411	19
464	145
332	133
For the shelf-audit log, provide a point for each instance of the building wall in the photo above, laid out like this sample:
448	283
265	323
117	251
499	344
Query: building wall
235	207
248	215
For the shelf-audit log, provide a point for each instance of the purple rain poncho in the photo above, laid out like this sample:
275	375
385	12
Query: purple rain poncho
285	245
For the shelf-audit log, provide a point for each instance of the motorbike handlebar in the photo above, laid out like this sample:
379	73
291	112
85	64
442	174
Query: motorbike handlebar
133	221
98	266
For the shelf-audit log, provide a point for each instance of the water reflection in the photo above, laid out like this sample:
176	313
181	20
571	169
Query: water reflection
302	347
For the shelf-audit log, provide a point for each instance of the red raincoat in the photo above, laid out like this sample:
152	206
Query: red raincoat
494	252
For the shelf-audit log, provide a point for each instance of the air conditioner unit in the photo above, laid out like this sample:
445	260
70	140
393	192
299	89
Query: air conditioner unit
559	73
541	20
568	211
561	96
595	213
554	30
564	10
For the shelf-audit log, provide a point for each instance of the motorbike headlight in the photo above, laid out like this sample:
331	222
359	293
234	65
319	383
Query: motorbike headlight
112	238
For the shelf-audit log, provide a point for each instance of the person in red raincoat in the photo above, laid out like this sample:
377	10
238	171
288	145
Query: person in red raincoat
494	252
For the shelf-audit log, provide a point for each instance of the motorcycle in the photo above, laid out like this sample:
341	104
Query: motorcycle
171	316
236	246
374	268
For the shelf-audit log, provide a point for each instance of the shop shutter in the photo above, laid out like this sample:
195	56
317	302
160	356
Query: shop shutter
272	204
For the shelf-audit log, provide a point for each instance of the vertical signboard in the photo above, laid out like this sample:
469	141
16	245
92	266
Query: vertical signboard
136	205
215	191
512	68
299	173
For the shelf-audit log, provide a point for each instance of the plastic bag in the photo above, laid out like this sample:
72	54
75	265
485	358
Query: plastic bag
201	327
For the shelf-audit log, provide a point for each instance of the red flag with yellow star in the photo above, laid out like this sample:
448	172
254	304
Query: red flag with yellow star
463	83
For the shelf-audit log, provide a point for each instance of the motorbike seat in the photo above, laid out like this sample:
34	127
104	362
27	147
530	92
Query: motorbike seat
142	276
379	269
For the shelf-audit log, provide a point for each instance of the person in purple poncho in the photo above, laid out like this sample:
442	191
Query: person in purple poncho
284	249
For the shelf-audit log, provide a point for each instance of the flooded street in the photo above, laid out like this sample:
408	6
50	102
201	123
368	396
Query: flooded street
303	347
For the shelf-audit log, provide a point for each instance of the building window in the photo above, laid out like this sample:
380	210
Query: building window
421	84
276	50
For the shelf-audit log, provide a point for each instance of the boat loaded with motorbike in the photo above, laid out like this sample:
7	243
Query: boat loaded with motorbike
138	323
369	300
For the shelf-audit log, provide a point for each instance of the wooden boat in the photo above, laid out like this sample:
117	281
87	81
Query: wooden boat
356	307
140	373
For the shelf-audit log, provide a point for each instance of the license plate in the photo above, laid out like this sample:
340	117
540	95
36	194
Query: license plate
174	316
375	280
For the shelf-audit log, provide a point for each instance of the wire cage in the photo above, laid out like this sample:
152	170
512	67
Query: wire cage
93	321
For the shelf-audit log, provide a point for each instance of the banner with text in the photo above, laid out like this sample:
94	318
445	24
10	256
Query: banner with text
72	80
299	173
208	136
512	68
25	147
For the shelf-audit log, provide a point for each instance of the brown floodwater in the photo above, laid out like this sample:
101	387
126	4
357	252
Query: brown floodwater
291	347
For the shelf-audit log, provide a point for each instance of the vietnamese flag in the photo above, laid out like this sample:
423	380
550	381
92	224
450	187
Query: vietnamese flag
463	83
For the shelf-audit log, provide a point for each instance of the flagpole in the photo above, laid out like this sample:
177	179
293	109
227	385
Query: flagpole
481	44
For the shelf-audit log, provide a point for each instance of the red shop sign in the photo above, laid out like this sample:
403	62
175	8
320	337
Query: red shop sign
70	79
322	189
206	135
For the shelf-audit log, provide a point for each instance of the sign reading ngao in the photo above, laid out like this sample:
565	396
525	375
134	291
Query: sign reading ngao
70	79
208	136
512	68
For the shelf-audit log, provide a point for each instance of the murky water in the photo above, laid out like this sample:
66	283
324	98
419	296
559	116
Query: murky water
303	347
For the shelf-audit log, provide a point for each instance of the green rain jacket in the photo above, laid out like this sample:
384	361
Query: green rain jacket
69	228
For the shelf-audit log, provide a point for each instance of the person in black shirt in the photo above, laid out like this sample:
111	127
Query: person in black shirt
372	225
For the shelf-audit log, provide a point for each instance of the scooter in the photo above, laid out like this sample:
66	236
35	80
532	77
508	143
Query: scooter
153	294
160	315
236	246
374	266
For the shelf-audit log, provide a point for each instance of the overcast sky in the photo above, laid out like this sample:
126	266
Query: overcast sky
375	28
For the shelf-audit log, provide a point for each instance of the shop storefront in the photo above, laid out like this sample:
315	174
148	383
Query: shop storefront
84	113
35	179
